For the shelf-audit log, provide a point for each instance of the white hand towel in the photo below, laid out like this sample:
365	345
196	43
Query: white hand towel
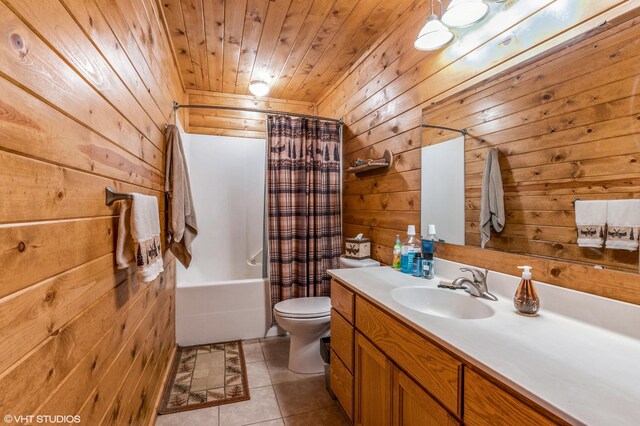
623	221
145	230
124	244
591	218
492	198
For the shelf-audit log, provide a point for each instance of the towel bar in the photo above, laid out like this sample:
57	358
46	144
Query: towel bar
111	196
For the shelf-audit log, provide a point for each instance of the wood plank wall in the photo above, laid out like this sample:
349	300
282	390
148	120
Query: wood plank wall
236	123
382	97
563	132
86	91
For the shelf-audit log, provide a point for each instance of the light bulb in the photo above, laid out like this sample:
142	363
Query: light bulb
463	13
433	35
259	88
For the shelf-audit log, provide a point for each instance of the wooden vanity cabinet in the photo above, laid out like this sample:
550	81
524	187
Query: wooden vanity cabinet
412	406
486	404
342	346
373	385
435	370
342	339
385	395
383	372
342	300
341	381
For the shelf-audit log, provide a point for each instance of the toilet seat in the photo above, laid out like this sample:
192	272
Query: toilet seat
304	307
306	320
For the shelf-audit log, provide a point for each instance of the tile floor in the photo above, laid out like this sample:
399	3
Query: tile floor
279	397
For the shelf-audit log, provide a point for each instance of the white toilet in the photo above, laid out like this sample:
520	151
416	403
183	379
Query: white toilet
307	320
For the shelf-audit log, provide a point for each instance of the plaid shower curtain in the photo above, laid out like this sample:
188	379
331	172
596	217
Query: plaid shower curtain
303	196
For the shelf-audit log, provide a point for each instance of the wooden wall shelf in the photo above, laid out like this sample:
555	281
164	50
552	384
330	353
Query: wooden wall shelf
382	163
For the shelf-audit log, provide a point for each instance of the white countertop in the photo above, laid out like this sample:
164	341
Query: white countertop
579	358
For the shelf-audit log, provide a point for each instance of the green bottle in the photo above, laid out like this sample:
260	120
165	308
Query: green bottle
397	251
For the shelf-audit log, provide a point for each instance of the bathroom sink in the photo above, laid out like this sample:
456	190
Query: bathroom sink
455	304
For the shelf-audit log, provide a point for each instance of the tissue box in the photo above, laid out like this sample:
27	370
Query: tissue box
357	248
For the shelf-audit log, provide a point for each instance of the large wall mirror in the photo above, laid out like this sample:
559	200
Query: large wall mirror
563	132
442	190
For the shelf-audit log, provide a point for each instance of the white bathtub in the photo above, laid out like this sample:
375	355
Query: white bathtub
219	311
222	295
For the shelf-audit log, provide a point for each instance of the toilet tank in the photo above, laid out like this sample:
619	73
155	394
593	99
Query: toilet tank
345	262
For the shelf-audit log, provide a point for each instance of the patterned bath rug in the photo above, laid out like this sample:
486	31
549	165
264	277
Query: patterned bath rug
204	376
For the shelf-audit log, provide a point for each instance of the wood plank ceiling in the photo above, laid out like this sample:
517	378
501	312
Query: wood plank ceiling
299	47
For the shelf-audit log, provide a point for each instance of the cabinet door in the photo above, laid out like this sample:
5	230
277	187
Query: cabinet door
485	404
413	406
429	365
341	384
373	381
342	339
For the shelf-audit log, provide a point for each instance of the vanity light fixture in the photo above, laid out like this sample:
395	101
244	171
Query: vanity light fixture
259	88
463	13
434	34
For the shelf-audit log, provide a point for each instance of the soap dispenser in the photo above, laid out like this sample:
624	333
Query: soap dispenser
526	300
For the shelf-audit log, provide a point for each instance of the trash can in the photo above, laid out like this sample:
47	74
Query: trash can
325	353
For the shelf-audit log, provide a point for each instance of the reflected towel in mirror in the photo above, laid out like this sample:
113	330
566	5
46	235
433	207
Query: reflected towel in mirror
591	217
623	224
492	198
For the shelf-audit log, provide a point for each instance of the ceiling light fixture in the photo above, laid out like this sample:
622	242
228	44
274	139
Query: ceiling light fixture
463	13
434	34
259	88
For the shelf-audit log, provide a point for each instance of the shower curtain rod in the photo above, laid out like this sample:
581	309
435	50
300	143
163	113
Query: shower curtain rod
432	126
177	106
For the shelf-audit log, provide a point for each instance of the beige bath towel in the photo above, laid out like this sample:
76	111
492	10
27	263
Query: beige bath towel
182	227
124	243
145	230
492	198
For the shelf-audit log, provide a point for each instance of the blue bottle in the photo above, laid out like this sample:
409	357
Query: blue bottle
417	266
428	246
428	267
409	249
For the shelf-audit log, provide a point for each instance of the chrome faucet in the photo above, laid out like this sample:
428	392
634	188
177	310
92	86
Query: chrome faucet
476	287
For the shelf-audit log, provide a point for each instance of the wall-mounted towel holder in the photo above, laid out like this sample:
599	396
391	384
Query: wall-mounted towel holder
111	196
